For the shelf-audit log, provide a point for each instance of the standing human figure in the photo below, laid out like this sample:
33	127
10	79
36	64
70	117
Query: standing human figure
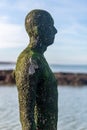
37	86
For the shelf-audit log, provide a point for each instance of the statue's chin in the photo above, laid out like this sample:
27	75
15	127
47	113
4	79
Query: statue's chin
51	41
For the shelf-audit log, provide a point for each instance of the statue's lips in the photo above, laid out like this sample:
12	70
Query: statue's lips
52	37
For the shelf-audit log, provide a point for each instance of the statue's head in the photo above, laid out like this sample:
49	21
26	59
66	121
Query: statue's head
39	25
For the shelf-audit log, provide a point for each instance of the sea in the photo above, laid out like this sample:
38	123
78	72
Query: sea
54	67
72	103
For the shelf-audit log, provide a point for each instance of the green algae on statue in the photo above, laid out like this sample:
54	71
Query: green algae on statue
37	86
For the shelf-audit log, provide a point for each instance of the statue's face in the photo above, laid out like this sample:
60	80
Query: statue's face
49	33
40	24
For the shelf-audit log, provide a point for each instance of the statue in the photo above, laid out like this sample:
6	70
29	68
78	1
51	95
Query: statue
36	84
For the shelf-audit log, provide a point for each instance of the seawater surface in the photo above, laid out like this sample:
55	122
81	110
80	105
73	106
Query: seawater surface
54	67
9	111
72	106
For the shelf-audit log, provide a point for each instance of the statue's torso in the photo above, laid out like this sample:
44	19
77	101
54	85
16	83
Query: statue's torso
23	64
46	85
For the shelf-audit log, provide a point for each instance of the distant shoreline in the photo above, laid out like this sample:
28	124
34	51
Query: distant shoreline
73	79
6	62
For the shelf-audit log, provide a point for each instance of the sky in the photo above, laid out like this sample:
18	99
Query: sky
70	19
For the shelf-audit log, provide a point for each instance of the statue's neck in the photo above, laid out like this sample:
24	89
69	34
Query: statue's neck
37	45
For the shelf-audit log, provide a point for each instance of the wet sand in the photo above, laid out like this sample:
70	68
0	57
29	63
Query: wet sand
73	79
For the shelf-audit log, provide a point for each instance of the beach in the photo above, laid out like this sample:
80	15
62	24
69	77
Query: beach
63	78
72	92
72	105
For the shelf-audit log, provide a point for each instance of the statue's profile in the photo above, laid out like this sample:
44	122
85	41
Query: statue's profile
37	86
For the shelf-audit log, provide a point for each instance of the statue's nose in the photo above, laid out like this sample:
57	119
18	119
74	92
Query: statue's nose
55	30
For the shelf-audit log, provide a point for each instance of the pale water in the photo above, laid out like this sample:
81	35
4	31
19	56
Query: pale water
54	67
72	108
69	68
7	66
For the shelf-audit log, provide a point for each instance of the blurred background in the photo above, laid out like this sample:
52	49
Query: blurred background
67	58
70	19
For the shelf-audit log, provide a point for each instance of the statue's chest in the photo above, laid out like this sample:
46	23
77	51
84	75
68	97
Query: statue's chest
47	75
48	84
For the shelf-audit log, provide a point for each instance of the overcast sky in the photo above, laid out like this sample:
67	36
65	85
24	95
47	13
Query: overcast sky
70	18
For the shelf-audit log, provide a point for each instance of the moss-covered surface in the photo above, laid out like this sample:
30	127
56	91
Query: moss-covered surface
37	88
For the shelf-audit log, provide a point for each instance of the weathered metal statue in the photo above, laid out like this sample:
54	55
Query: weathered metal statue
37	86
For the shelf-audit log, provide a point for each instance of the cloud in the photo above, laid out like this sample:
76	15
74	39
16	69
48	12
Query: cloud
74	35
27	5
3	19
69	18
12	35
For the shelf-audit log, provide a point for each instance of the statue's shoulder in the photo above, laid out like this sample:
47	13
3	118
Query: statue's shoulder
24	54
27	56
23	58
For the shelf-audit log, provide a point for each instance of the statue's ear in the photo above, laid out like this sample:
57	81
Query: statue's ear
35	30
